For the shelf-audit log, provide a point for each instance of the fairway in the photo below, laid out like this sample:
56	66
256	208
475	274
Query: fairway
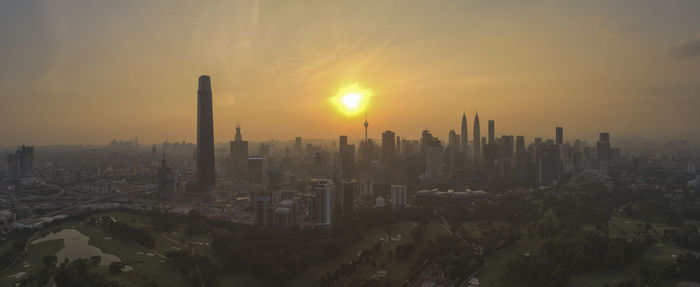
662	253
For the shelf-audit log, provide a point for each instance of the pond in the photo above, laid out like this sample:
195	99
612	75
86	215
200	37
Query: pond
75	245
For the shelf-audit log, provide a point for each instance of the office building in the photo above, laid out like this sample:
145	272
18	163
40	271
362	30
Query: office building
323	202
549	164
285	215
399	195
255	169
464	136
239	154
560	135
20	164
492	132
349	190
476	141
604	154
388	146
206	175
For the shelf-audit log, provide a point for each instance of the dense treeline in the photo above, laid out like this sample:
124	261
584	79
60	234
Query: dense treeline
198	270
16	249
77	273
687	236
654	209
366	256
276	256
161	221
562	257
125	231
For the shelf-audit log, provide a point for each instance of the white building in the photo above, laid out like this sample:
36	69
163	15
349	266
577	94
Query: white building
398	195
380	202
7	216
323	202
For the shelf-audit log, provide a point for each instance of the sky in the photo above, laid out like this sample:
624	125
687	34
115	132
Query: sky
90	71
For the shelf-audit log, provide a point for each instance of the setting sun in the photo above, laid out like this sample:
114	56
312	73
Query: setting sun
351	100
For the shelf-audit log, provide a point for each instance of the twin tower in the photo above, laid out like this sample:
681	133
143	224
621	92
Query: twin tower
206	176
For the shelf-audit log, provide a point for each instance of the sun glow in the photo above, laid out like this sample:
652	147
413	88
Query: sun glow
351	100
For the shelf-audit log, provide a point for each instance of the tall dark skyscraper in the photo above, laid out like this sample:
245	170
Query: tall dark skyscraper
398	145
205	134
343	141
239	154
492	132
519	147
604	154
21	163
346	158
560	136
476	139
388	145
464	135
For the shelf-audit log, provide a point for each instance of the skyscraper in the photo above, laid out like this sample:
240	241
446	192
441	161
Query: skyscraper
398	196
519	147
464	135
21	163
368	153
239	137
604	154
163	184
349	196
453	140
388	146
343	142
239	154
476	138
560	136
492	132
323	202
398	145
205	134
549	164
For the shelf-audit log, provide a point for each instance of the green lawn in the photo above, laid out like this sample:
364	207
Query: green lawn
147	269
494	272
620	226
661	253
476	229
33	258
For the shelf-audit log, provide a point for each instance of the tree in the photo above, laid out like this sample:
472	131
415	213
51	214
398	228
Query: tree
95	260
116	267
49	261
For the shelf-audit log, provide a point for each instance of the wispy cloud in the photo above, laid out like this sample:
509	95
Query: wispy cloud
608	30
688	48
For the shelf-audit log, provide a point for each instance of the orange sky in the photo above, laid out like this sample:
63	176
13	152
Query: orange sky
89	72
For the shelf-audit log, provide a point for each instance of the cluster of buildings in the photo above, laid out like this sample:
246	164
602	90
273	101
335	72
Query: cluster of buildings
332	180
311	182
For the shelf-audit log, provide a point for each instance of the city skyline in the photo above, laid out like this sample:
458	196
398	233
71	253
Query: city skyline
326	143
621	67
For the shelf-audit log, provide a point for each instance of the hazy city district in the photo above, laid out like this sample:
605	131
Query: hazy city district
462	209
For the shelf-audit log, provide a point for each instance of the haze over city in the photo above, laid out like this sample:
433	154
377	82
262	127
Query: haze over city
338	143
77	72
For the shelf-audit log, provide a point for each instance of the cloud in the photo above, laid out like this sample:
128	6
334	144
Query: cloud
686	48
609	30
